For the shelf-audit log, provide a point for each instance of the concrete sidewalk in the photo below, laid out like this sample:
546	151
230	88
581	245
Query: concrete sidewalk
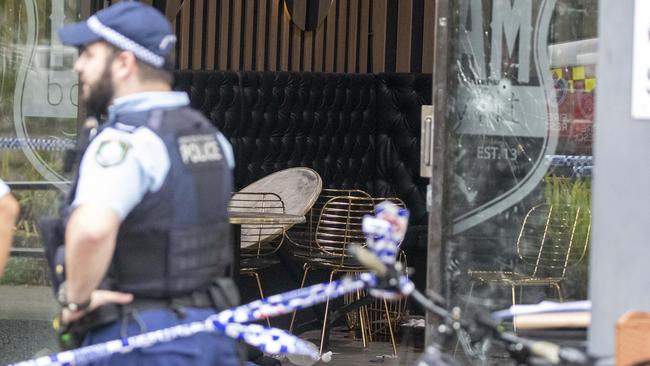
26	314
27	302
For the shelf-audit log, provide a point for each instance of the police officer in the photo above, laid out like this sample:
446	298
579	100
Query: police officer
148	230
8	215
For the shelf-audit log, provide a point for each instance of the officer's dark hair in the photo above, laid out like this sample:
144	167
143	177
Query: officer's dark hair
149	72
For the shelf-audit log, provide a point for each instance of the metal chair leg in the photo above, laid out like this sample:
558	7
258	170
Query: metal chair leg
305	270
327	306
514	325
367	317
469	296
559	291
362	324
390	328
259	287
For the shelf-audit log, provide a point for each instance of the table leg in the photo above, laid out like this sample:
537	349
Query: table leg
236	244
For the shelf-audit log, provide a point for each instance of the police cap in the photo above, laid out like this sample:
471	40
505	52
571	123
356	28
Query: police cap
128	25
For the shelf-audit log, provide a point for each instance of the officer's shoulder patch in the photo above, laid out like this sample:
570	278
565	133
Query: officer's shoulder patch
111	152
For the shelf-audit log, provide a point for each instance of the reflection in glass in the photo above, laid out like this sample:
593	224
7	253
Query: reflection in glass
38	122
38	90
38	107
521	116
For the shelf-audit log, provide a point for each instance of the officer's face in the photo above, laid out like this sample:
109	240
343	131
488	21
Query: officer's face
94	68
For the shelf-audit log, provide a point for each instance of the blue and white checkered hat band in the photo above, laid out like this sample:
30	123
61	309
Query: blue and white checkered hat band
124	43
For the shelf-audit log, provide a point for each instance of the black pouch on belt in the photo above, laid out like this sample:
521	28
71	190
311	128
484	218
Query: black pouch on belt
53	235
72	335
223	293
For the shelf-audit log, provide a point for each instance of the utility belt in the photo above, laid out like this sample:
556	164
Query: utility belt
220	295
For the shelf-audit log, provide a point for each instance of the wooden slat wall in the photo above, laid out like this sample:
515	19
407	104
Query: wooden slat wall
427	32
197	35
249	34
404	24
358	36
210	54
379	25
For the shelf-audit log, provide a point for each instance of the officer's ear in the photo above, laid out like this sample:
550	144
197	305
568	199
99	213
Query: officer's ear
125	65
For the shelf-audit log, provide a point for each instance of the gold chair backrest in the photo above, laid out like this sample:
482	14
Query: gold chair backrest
554	237
262	239
302	235
340	224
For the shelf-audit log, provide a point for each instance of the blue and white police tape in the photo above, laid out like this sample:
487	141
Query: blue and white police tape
405	289
570	160
386	230
384	234
376	232
397	217
288	302
46	144
270	340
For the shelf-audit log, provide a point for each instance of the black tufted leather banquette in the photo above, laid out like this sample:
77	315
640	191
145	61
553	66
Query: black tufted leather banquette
356	130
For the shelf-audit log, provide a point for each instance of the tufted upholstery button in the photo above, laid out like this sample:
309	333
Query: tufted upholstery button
322	121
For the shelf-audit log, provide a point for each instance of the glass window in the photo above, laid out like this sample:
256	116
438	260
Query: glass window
521	111
38	123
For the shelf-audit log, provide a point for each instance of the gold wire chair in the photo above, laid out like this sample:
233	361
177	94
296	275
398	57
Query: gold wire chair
552	238
339	224
301	236
258	242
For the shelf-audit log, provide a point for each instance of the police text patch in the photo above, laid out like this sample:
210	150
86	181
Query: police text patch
111	152
199	148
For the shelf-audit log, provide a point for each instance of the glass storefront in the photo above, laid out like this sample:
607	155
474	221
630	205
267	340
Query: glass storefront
521	86
38	122
520	113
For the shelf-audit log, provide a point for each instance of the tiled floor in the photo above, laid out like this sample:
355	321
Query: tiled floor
346	350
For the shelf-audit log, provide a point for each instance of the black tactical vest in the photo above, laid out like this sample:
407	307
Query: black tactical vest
177	239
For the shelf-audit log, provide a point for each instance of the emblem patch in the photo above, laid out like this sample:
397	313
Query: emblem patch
111	152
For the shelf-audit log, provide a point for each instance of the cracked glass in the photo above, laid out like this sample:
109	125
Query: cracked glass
520	114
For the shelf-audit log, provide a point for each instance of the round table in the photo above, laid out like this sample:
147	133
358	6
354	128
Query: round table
298	187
